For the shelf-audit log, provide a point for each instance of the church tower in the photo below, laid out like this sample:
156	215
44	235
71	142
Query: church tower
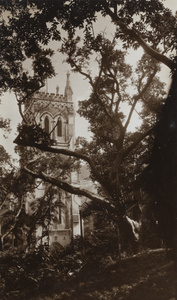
55	113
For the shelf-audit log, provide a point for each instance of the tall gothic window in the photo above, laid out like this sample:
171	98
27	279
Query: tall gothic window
59	208
46	124
59	127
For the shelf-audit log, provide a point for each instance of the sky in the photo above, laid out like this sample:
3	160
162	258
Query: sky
80	86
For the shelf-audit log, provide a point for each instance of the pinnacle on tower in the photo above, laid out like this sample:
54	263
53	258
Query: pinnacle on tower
68	89
57	90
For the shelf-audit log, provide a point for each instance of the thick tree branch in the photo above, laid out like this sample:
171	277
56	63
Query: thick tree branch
22	101
38	214
126	152
139	96
66	186
71	154
20	111
66	152
118	120
15	221
95	90
113	76
134	35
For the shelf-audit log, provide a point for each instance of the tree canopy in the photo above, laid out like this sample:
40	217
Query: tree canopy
27	27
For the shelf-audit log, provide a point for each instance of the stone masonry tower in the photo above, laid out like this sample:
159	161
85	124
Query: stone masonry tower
56	115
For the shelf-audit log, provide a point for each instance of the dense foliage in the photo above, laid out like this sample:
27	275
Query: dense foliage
162	177
62	276
39	271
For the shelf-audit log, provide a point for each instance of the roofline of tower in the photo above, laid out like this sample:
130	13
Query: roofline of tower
50	96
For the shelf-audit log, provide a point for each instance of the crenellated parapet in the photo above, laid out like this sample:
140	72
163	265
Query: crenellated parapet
50	97
42	101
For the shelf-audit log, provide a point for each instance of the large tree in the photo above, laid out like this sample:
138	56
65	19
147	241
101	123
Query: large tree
111	145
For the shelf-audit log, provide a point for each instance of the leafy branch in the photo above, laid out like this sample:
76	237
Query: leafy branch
135	35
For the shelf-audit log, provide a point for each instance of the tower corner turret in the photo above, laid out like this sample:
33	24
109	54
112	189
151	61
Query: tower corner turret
68	90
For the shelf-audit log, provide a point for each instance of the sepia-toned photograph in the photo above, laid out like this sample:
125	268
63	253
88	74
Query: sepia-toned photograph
88	150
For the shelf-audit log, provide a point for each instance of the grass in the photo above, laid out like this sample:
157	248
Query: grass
145	276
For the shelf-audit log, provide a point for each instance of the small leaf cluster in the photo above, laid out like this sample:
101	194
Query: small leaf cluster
32	135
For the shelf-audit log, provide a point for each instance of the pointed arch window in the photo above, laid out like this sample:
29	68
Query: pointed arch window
59	208
59	127
46	124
